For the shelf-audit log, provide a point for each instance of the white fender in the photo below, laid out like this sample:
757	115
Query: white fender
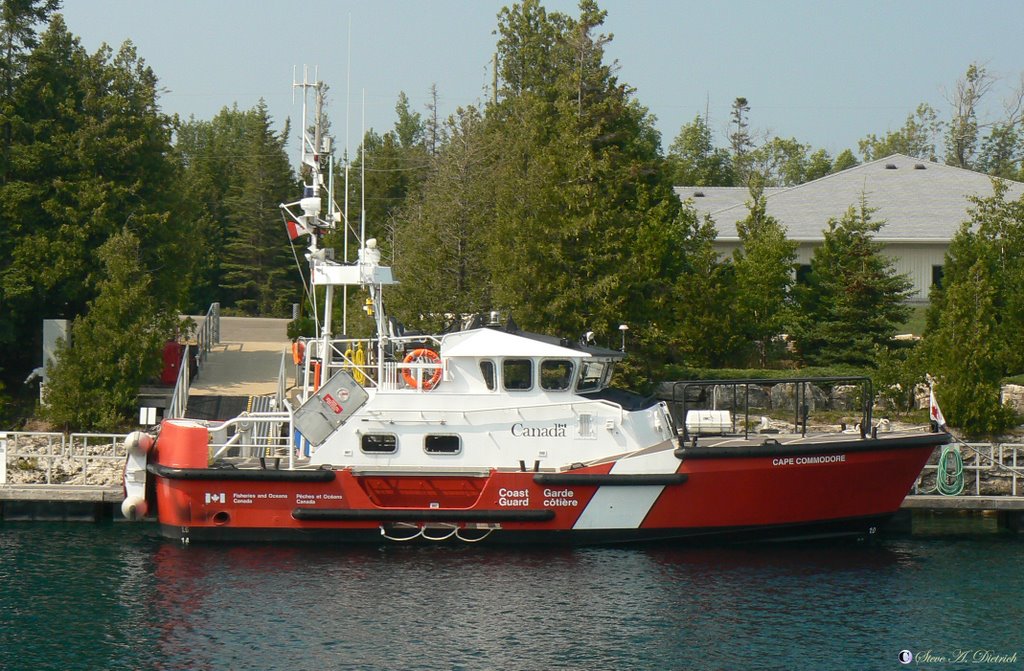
137	445
134	508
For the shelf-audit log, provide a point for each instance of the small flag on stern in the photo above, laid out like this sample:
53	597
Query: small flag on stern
934	411
295	229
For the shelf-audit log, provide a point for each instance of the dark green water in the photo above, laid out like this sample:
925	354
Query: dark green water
113	596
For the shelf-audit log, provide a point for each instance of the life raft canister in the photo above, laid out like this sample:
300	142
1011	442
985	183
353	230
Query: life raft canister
422	355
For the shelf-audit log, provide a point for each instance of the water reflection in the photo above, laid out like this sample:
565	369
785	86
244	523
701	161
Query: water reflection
83	596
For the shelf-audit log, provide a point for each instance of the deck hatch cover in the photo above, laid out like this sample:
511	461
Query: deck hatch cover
330	407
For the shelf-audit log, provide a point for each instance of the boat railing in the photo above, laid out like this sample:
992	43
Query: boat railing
740	396
358	357
255	435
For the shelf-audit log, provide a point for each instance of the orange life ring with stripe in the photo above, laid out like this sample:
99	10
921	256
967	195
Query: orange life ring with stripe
422	355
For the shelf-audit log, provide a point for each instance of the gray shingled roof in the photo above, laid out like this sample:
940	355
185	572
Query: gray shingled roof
920	204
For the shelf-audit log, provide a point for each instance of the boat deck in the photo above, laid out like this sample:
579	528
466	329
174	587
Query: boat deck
783	439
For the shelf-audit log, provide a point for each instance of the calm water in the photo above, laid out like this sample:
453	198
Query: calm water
113	596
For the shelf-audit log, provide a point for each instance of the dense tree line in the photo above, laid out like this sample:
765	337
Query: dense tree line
552	202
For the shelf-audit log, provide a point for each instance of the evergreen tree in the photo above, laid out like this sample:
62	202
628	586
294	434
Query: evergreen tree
989	247
696	324
441	239
115	346
740	140
258	268
764	275
968	355
853	299
585	233
89	156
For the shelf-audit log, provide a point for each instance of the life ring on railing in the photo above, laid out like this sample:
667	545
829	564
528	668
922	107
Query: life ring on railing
298	352
422	355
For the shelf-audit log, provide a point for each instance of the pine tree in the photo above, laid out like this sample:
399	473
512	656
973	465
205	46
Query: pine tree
764	275
854	299
258	277
969	355
90	155
583	237
115	346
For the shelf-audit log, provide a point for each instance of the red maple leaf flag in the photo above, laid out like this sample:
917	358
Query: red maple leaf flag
934	411
295	229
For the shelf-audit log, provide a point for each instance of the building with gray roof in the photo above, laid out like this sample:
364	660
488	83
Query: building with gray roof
922	204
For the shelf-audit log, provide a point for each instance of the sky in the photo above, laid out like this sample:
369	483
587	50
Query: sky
827	72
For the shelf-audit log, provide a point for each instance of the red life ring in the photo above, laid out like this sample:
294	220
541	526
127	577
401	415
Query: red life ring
422	355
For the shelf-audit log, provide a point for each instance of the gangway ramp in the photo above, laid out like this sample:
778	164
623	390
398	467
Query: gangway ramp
241	367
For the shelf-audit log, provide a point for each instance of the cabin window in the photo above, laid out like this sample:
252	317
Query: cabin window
487	369
555	374
937	276
442	444
379	443
517	374
592	375
803	272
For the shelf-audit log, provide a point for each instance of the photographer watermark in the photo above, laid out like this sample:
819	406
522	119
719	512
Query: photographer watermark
957	656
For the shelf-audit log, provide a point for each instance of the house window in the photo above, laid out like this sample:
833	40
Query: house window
379	443
937	276
487	369
555	374
517	374
442	444
803	271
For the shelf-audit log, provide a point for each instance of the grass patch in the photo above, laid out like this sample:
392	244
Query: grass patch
916	321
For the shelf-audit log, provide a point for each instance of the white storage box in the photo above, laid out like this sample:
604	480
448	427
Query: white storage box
708	422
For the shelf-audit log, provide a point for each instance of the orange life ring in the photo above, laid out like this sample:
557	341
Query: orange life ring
298	352
422	355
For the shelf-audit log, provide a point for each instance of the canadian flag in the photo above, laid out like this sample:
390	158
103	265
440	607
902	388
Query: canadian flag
295	229
934	411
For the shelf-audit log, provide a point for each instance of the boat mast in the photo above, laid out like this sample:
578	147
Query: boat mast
324	270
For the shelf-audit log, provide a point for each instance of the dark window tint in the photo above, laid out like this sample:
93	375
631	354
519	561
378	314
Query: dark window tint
380	443
487	368
442	444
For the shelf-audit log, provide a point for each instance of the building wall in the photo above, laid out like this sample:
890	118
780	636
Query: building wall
916	260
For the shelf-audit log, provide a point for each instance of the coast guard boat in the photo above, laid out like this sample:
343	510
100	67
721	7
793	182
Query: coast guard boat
487	433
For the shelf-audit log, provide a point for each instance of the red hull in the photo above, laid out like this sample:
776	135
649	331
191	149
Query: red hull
789	492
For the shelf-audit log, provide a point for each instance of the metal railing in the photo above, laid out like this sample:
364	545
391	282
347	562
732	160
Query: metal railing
207	336
990	469
255	435
366	372
49	458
